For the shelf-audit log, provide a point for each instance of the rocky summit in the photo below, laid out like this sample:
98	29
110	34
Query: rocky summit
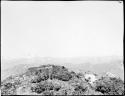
58	80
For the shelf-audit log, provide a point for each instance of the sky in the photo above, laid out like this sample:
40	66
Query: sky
61	29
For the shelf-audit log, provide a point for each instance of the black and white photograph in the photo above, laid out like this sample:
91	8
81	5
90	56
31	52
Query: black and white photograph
62	47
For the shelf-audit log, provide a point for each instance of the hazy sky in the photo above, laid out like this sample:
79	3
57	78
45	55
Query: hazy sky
61	29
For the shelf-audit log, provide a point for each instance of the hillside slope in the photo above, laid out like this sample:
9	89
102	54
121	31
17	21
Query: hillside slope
58	80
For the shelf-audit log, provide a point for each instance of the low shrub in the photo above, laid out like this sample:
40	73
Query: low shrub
110	86
38	89
8	89
60	73
41	87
